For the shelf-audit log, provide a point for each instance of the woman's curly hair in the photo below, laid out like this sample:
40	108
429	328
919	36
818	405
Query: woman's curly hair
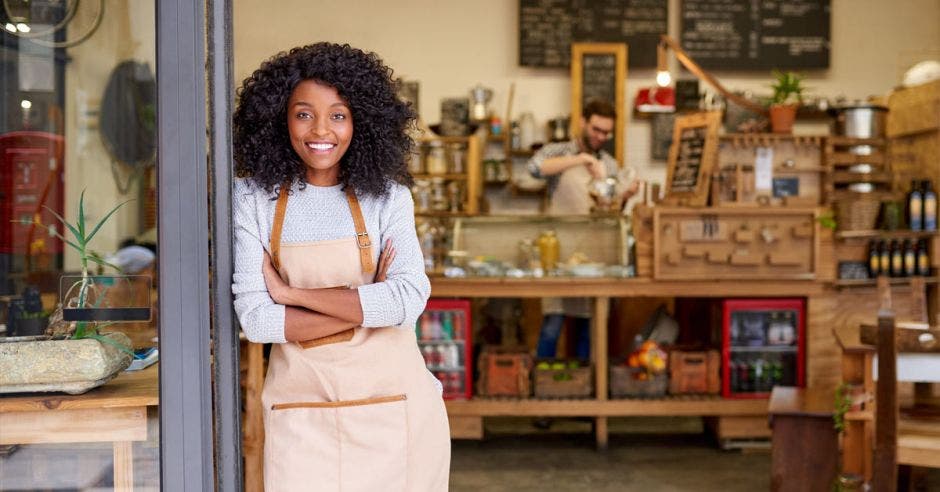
380	145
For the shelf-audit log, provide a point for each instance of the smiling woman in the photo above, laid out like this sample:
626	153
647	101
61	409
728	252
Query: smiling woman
320	141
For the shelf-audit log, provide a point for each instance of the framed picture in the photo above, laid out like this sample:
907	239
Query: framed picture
692	156
598	71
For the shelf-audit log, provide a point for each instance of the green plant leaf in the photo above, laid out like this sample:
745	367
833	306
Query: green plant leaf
105	219
79	236
81	213
118	345
99	260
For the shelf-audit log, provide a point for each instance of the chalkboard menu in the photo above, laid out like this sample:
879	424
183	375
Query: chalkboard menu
691	158
758	35
548	27
599	81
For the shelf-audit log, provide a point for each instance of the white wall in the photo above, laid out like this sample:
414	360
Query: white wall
450	46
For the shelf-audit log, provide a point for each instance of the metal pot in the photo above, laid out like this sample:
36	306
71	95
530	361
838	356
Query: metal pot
860	121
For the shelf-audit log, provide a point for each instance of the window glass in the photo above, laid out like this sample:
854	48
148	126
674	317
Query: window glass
78	145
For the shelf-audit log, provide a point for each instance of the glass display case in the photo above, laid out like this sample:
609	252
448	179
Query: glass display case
515	246
763	342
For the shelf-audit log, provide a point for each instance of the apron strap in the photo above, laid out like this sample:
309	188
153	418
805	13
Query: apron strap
279	210
362	235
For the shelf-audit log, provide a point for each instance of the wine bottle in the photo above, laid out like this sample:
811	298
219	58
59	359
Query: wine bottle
915	206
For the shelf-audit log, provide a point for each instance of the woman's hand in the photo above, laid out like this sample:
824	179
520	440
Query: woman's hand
385	260
277	288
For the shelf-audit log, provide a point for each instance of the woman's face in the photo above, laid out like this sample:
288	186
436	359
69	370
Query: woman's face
321	127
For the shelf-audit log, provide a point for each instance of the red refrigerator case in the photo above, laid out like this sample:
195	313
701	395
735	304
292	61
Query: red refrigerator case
444	337
762	345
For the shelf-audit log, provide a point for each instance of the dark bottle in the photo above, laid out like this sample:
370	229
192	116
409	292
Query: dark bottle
915	206
884	258
733	376
910	259
930	207
743	380
874	260
923	258
897	259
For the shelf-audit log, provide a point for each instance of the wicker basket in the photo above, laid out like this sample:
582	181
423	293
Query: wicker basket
624	384
860	214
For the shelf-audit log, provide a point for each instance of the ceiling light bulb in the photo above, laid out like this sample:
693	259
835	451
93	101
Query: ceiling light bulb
663	78
10	27
23	27
26	104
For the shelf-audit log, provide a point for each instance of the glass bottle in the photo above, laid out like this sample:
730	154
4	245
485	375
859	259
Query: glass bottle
930	207
897	259
910	259
915	207
874	264
923	258
884	258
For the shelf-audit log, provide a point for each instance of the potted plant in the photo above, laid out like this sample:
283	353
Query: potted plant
788	94
72	356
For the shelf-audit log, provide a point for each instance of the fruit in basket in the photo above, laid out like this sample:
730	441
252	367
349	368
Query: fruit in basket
649	357
543	366
558	366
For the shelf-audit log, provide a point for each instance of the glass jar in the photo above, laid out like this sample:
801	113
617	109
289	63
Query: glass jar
456	158
549	250
436	162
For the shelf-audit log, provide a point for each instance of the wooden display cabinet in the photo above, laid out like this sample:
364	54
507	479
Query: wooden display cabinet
798	171
462	166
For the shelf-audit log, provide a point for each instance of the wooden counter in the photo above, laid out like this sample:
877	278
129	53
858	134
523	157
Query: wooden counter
617	287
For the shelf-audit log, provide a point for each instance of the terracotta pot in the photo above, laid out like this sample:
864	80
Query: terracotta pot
782	117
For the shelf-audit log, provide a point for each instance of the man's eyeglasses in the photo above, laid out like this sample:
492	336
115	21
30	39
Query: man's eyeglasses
602	131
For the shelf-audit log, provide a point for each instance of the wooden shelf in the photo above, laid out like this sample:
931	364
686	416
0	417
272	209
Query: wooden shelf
758	138
441	214
900	234
448	176
863	415
848	158
873	282
849	177
496	182
425	140
805	169
849	141
678	405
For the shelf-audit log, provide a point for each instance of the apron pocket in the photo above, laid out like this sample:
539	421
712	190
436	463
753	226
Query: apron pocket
366	442
343	336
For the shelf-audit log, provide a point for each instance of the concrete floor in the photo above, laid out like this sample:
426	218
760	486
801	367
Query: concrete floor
667	454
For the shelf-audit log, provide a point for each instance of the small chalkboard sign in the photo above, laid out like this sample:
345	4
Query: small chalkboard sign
598	71
691	158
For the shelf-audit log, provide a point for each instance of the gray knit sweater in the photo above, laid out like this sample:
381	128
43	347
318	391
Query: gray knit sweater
319	213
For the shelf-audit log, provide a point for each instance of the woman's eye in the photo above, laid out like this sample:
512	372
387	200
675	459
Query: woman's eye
339	116
303	115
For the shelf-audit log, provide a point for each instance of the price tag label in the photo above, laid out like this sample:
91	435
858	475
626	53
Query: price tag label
764	169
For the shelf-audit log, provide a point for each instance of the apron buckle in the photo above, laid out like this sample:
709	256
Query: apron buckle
359	240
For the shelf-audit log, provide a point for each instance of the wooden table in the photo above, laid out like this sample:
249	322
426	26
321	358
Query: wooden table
115	412
805	446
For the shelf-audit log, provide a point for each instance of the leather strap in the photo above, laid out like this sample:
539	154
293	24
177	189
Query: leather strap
279	210
362	235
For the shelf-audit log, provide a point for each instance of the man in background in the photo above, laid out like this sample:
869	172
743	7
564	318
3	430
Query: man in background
568	168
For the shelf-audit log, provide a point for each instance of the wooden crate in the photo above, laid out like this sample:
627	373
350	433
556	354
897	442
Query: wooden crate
694	372
570	382
505	374
623	383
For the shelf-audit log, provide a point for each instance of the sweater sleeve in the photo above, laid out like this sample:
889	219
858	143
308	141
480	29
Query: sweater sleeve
401	298
261	319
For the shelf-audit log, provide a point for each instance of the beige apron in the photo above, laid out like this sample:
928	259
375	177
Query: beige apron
570	198
353	411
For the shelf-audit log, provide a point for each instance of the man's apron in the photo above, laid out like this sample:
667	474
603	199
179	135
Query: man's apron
356	410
